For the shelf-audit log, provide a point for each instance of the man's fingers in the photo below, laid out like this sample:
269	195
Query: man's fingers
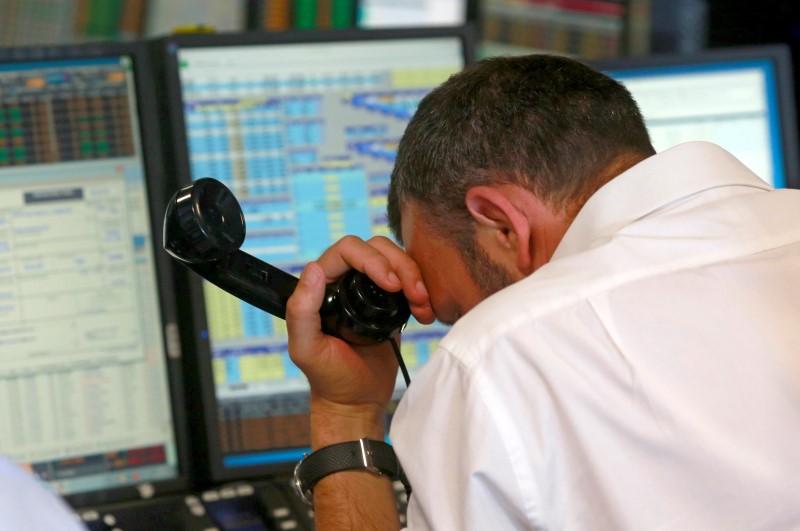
302	314
410	277
406	268
386	264
352	252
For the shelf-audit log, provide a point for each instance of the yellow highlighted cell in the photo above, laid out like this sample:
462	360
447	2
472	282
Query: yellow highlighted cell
337	164
220	375
263	367
421	77
383	230
224	313
279	327
409	351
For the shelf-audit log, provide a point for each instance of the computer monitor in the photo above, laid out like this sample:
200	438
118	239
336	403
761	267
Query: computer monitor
739	98
303	128
90	396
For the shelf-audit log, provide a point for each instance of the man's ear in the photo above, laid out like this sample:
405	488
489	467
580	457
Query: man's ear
503	226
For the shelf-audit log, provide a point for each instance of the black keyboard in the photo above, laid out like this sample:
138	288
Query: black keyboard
255	506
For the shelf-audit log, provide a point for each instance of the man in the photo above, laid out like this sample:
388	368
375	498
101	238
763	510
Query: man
625	351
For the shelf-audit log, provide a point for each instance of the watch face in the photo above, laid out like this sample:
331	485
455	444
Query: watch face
301	490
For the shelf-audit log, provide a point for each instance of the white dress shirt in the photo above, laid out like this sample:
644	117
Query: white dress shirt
27	505
648	377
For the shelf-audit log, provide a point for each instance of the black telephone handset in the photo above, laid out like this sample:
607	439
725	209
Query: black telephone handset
204	227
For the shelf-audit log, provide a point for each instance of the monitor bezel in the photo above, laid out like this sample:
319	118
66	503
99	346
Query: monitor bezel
779	56
204	423
158	189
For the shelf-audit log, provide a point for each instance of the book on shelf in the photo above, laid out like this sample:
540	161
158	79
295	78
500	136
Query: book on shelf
584	28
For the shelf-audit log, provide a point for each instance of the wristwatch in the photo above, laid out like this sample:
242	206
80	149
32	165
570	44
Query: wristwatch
364	454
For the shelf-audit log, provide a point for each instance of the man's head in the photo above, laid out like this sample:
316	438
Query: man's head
543	132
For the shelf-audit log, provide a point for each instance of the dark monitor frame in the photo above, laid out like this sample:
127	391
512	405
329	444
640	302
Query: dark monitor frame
159	191
778	56
202	401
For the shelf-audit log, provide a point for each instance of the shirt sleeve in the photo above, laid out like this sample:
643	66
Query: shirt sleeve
26	503
454	453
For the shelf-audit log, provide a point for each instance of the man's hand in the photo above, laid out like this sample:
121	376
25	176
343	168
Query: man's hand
348	379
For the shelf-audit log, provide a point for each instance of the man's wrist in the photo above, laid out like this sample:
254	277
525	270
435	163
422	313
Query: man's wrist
335	423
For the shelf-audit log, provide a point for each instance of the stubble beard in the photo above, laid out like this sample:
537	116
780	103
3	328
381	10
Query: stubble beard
489	276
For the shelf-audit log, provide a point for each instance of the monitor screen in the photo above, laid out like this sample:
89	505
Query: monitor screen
740	99
303	129
84	384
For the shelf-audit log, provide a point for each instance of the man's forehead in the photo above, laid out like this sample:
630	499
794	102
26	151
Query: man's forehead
411	223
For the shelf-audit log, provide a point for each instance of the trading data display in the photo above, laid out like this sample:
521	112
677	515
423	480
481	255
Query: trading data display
733	104
83	387
305	136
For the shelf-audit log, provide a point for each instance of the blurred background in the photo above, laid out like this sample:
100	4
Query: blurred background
587	28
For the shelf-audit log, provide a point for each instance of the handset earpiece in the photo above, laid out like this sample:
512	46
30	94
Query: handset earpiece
204	228
203	223
355	309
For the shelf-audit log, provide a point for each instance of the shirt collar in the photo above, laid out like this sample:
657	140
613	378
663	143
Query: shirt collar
662	179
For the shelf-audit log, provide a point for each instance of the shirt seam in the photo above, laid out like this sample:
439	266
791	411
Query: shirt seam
492	407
